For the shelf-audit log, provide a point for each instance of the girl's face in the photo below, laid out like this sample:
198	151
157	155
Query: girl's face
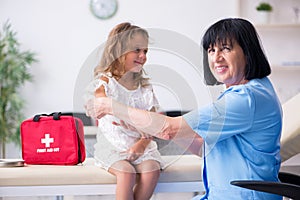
227	63
136	57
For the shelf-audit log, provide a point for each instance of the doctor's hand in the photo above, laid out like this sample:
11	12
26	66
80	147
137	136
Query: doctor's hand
98	107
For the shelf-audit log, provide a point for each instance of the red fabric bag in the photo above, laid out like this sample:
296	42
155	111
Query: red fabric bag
53	139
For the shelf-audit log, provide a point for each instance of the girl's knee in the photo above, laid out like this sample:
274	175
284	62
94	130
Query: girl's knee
150	166
122	167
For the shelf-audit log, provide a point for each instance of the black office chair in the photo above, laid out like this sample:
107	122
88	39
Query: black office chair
167	147
87	121
288	187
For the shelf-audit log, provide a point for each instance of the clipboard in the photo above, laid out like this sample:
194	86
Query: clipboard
11	163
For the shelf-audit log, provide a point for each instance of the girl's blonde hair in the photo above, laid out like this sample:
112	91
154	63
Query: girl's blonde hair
118	44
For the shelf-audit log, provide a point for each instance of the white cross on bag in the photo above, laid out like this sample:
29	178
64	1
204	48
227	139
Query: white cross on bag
47	140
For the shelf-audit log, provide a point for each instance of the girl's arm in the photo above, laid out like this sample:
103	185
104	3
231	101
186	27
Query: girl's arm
100	92
138	149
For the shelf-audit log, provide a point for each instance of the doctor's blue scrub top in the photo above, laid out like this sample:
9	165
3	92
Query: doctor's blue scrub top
241	130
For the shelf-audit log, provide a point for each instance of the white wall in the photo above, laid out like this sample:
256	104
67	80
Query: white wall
280	42
63	33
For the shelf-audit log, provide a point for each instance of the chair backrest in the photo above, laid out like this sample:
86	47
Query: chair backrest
87	121
290	137
167	147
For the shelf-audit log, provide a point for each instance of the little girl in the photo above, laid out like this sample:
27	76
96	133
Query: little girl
120	149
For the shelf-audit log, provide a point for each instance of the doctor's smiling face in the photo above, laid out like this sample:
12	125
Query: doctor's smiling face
227	62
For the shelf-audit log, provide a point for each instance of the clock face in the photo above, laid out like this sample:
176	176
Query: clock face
104	9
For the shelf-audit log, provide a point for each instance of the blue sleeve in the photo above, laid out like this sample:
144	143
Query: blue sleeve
231	114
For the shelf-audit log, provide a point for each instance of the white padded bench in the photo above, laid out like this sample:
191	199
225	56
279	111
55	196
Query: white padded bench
183	174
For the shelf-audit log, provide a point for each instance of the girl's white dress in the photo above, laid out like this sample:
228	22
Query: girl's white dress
112	140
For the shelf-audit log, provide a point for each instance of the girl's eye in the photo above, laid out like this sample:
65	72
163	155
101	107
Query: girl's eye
138	50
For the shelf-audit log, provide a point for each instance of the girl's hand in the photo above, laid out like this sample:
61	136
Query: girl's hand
134	152
138	149
124	125
98	107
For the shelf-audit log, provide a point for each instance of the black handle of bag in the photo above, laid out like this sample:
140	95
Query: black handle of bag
56	116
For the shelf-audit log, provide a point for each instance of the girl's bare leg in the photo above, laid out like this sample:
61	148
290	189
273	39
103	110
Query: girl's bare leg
148	174
126	176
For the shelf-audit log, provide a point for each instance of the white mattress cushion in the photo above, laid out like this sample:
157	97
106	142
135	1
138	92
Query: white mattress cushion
290	138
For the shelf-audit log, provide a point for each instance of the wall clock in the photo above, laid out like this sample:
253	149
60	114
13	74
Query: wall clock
104	9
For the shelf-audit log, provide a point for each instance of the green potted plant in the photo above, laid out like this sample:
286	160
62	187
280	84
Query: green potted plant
264	9
14	72
263	6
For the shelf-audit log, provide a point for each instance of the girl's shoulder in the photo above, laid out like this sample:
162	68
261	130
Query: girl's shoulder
147	87
106	77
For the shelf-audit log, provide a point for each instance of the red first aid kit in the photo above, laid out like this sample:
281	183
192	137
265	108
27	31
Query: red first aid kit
53	139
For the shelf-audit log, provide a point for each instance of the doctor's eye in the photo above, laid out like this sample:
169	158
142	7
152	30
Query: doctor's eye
226	48
210	50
